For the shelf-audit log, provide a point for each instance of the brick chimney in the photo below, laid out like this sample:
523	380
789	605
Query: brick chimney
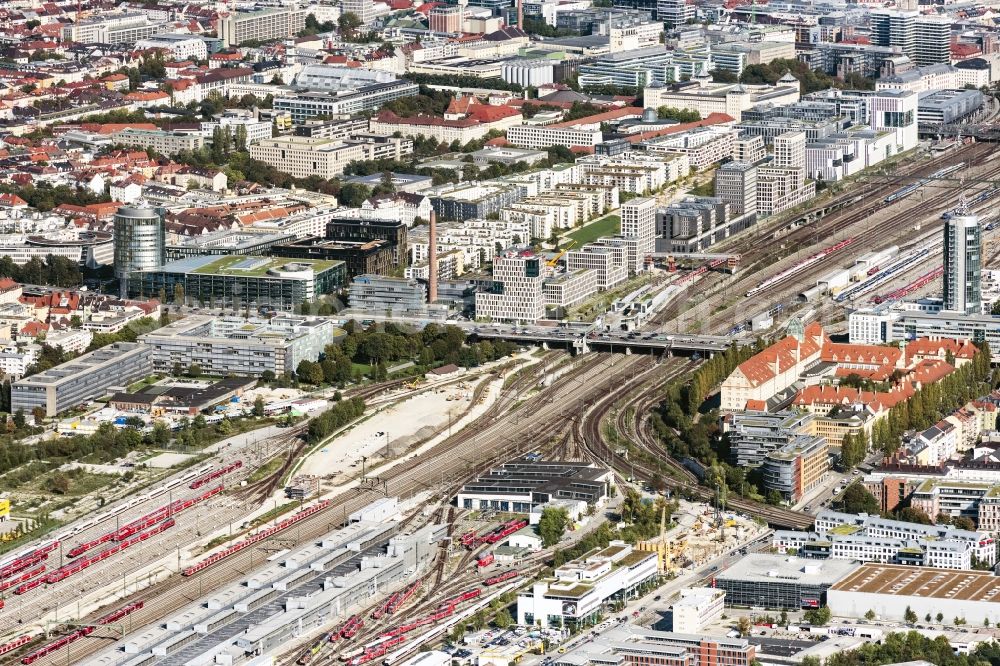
432	263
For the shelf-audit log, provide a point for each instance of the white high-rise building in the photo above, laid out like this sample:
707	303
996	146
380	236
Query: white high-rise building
674	13
895	110
518	294
639	220
363	9
962	258
790	150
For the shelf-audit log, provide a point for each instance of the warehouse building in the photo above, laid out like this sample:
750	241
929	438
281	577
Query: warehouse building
889	589
224	346
82	379
523	485
778	581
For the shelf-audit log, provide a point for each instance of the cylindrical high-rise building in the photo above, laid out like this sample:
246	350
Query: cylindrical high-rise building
962	263
140	241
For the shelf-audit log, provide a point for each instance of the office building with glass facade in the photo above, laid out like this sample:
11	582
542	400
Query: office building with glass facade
760	580
140	241
240	281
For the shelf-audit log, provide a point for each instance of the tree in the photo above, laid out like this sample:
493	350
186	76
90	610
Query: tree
680	115
258	406
267	376
909	616
19	419
349	22
939	617
723	76
194	370
305	308
38	413
179	292
353	195
857	499
783	618
241	138
870	615
743	626
853	449
59	483
964	523
552	525
818	616
503	619
912	515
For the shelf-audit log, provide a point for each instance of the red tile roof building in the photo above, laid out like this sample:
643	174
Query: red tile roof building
776	370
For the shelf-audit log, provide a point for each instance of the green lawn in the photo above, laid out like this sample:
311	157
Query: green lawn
257	266
606	226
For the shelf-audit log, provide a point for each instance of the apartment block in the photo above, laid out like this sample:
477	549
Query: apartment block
578	590
797	467
630	645
697	608
539	136
607	263
694	224
305	105
752	435
570	288
162	141
381	294
263	25
982	544
306	156
125	28
638	220
82	379
736	184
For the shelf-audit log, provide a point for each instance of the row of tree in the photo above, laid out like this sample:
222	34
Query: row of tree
334	419
899	648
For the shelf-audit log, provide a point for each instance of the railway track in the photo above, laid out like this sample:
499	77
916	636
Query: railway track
757	249
895	229
588	431
487	442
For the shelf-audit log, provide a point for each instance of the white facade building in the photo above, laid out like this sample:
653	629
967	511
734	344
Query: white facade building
697	608
528	72
519	293
577	592
638	220
180	46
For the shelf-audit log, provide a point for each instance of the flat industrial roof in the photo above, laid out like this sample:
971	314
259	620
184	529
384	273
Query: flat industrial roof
899	580
763	567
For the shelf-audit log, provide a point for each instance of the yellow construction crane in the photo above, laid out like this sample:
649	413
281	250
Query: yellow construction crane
555	260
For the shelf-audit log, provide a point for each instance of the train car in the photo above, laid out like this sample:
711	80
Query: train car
484	560
14	644
28	587
347	655
468	595
21	578
495	580
314	649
